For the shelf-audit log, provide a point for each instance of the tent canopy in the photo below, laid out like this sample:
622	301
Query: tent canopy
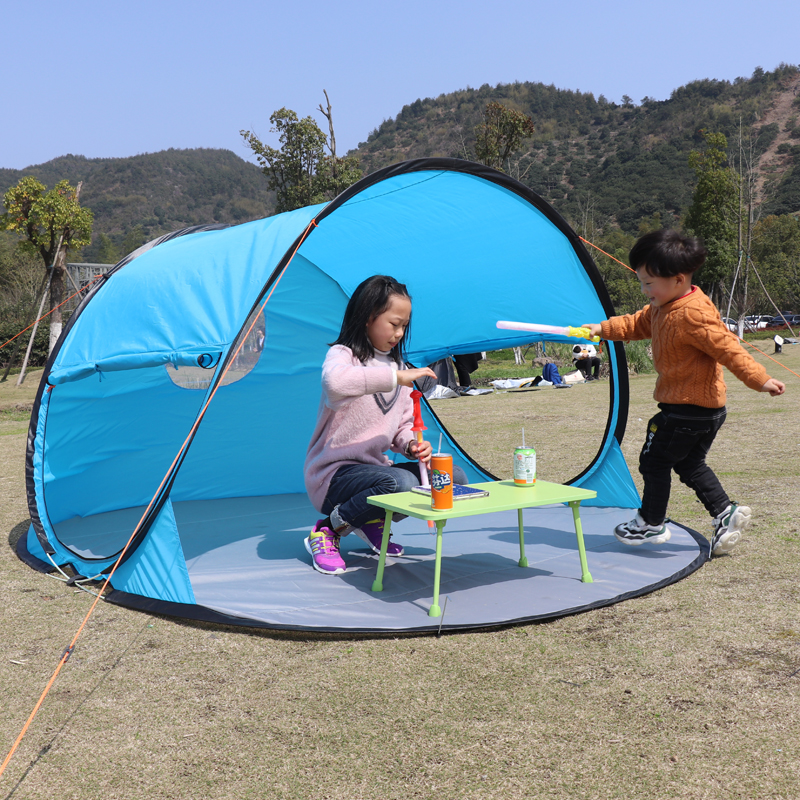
141	355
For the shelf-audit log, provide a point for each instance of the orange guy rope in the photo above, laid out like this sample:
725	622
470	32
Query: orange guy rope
770	357
585	241
96	277
68	652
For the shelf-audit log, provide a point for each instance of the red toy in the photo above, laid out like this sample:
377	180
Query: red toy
418	427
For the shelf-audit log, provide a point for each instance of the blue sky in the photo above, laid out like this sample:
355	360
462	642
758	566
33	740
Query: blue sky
107	79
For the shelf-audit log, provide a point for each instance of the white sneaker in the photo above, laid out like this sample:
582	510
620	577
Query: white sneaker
637	531
728	527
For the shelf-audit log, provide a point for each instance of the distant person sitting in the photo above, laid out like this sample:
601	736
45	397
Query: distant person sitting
466	363
586	360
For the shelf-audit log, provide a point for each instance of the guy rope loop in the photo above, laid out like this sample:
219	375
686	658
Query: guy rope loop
70	648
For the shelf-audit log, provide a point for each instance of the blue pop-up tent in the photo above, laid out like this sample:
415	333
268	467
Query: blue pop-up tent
223	536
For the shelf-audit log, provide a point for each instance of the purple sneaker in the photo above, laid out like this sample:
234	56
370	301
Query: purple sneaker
323	544
372	534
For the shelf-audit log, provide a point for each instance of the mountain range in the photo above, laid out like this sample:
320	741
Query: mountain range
599	163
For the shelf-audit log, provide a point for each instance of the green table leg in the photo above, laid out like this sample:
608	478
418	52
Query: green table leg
523	561
434	610
377	584
586	576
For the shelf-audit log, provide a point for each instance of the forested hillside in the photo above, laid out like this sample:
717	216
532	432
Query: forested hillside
605	166
614	170
135	199
617	163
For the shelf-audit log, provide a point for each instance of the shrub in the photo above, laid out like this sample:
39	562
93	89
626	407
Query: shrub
639	355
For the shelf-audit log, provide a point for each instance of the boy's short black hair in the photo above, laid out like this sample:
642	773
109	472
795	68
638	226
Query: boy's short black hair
667	253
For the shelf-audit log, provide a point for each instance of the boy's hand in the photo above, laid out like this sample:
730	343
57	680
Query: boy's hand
593	327
774	387
421	451
406	377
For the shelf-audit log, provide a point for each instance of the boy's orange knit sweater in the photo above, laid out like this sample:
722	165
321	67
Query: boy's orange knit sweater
690	342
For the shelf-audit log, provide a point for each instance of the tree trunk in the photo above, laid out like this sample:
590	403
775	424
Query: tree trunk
332	139
56	297
57	284
35	328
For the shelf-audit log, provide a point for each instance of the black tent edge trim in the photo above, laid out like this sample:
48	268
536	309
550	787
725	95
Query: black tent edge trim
200	613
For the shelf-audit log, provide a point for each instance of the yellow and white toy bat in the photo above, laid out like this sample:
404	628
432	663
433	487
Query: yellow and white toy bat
579	333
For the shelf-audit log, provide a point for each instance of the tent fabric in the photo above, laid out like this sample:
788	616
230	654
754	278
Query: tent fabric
139	359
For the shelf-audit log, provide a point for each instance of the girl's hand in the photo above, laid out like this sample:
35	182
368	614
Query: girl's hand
421	451
774	387
593	327
406	377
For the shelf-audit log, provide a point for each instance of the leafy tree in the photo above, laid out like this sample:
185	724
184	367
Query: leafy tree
20	287
106	251
622	285
51	222
776	253
501	133
299	171
134	239
786	199
713	213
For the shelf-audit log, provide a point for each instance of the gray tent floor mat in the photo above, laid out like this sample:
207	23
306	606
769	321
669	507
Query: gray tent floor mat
247	560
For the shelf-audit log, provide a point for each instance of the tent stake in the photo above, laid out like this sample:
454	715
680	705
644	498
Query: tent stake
444	609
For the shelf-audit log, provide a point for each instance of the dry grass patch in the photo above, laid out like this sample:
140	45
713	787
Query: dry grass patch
690	692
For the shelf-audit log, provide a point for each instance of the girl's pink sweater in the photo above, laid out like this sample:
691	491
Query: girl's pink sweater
362	413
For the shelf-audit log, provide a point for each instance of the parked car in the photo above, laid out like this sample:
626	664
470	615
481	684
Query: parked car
793	321
757	322
752	323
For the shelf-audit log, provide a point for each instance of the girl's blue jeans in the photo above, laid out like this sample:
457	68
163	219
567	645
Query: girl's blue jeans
352	484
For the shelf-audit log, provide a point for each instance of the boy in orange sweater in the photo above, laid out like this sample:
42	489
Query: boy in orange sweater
690	342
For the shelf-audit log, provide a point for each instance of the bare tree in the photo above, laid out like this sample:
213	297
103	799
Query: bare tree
332	138
745	163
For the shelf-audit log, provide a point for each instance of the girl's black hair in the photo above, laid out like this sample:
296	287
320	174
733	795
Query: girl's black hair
370	299
667	253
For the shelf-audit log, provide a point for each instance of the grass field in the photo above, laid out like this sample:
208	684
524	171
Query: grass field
690	692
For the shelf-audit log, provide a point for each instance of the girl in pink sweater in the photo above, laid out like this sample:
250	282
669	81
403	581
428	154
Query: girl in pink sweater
365	410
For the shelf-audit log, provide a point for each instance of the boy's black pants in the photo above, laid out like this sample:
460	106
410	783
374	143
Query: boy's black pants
679	437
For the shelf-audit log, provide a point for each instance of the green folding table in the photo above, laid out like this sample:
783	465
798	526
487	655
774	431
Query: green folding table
503	496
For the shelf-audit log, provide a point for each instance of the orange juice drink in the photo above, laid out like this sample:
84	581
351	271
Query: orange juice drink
441	481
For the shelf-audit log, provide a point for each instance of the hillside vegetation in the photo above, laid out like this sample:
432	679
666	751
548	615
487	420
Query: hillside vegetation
617	164
156	193
613	170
